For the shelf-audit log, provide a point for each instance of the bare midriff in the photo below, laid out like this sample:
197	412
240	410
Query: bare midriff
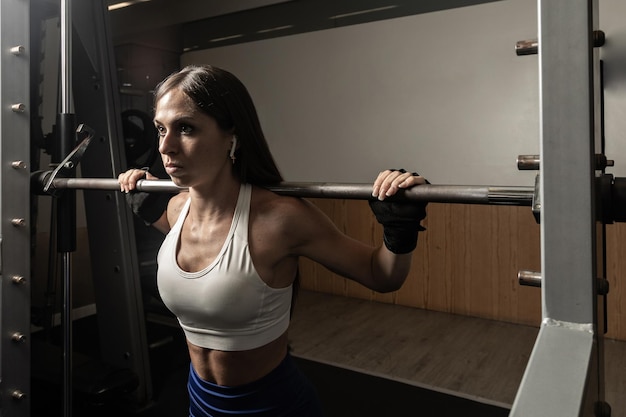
236	368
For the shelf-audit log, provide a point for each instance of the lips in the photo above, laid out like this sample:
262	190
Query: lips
172	167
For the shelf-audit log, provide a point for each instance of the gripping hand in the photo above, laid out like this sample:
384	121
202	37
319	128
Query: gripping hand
400	220
149	207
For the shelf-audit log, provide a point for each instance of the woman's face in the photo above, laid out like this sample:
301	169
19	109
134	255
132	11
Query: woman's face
193	147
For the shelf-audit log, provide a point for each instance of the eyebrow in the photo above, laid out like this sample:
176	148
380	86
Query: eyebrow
182	119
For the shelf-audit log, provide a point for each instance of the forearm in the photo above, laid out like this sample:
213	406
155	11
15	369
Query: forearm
401	224
389	270
162	224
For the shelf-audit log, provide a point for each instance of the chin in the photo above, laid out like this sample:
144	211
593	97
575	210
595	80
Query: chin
179	182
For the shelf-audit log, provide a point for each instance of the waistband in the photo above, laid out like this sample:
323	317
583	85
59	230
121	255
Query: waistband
285	391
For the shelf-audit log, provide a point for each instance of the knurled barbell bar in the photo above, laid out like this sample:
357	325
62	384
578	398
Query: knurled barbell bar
464	194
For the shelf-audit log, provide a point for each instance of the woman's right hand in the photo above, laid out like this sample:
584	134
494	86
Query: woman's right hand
149	207
128	180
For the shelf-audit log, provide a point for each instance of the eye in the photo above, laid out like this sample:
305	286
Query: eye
186	129
160	130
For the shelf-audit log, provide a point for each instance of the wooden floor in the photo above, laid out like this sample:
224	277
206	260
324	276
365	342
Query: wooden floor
479	359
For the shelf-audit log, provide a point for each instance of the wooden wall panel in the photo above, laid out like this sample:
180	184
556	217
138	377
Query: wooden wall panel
467	262
616	270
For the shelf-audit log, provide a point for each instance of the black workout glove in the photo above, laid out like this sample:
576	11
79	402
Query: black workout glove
149	207
401	223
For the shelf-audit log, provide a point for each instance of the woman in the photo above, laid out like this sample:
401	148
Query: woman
229	262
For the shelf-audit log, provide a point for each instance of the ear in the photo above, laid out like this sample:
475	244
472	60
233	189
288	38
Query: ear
234	147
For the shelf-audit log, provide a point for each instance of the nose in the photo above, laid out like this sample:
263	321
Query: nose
167	143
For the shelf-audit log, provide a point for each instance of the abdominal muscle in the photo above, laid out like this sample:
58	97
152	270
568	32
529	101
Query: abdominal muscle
236	368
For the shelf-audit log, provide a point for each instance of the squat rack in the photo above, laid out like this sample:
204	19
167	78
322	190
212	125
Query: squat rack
564	376
565	373
14	209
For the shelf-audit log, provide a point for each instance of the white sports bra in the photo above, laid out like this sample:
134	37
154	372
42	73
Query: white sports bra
225	306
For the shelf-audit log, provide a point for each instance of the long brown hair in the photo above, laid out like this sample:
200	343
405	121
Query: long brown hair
223	96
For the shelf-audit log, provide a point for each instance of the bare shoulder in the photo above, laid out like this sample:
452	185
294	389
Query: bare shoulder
269	205
175	206
291	219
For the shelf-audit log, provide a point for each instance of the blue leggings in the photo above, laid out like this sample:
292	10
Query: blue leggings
284	392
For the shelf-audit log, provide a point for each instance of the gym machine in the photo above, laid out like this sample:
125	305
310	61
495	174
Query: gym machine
89	93
565	373
571	217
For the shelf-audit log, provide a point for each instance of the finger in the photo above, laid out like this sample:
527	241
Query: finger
123	180
412	181
382	183
392	182
120	179
128	180
377	182
135	176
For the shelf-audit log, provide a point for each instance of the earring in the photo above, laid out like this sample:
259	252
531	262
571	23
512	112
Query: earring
233	149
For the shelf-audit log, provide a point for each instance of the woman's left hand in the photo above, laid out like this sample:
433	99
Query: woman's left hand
390	181
400	220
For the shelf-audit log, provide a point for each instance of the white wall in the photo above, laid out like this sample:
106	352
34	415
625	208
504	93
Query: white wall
443	93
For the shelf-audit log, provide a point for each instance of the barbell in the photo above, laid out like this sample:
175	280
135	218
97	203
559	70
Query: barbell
463	194
62	177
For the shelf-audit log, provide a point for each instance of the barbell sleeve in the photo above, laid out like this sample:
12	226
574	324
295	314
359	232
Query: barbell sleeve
462	194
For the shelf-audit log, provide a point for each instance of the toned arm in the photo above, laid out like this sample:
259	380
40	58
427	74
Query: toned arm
313	235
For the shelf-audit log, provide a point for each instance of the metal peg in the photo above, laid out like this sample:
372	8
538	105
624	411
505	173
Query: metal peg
18	337
532	162
527	47
533	279
529	278
531	46
18	50
18	395
528	162
18	222
18	107
18	164
18	279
